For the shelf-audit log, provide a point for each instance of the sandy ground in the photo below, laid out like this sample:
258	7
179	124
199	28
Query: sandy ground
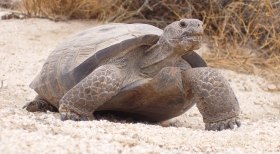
24	47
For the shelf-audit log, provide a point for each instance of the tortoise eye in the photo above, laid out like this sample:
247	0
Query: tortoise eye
182	24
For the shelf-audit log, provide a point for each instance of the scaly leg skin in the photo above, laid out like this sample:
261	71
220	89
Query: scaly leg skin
39	105
214	98
80	102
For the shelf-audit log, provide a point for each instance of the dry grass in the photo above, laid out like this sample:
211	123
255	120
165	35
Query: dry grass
244	34
63	9
246	61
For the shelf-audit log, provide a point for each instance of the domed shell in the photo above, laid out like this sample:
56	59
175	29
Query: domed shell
75	58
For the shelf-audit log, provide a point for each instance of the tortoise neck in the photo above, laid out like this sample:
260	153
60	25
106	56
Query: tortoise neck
162	49
157	57
157	53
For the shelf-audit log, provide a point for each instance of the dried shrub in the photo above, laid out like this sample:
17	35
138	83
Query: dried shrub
63	9
243	35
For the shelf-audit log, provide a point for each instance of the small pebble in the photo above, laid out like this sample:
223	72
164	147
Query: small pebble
271	87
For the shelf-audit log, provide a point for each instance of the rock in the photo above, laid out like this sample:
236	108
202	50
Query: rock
11	15
10	4
272	87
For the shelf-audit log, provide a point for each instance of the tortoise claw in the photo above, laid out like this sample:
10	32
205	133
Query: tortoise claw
63	116
231	126
238	122
222	127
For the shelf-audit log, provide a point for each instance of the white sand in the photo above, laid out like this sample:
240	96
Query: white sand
24	47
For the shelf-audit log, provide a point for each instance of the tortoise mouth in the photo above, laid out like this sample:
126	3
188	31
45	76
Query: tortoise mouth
189	38
188	34
195	38
191	42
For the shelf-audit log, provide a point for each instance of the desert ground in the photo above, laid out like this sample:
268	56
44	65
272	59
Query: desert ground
24	47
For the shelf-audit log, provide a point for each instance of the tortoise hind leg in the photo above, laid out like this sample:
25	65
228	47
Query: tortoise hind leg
83	99
39	105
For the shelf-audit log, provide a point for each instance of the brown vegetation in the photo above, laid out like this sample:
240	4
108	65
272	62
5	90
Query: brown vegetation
244	35
63	9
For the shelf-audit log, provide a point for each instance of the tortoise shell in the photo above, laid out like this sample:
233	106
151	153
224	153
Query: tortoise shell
75	58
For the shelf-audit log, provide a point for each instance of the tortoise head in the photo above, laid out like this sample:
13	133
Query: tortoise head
184	35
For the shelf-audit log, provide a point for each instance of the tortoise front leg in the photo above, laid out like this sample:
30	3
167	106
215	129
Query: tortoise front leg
214	97
80	102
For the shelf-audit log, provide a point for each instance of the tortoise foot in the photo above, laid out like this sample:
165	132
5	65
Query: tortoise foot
73	116
39	105
67	114
224	124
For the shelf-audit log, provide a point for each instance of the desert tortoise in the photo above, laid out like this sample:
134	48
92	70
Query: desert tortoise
138	69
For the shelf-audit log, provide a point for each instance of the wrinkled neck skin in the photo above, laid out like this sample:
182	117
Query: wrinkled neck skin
159	56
